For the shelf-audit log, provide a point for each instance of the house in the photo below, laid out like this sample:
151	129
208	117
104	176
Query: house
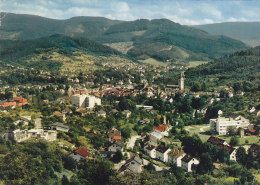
162	152
255	149
231	151
144	121
175	156
150	150
162	129
221	124
217	141
80	153
59	115
59	126
101	113
157	135
148	138
24	120
135	165
113	132
187	162
85	101
127	113
117	145
114	112
105	154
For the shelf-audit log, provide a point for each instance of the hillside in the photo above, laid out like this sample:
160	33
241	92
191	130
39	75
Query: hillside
159	39
58	52
239	67
248	32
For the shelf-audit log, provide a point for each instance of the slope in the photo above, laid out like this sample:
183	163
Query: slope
160	39
239	67
58	52
248	32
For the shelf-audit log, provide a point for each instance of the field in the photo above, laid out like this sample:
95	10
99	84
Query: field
201	129
196	63
154	62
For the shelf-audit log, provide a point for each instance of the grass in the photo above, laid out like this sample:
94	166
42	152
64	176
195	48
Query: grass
257	177
198	129
196	63
251	139
155	62
64	172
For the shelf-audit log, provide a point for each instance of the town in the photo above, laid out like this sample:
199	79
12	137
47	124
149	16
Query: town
135	126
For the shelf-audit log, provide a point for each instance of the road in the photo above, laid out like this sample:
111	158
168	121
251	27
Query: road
131	142
38	123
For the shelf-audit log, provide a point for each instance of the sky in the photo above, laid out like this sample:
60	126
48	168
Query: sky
186	12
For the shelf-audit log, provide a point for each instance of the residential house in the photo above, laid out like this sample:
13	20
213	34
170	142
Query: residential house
162	152
162	129
117	145
101	113
135	165
175	156
217	141
24	120
80	153
150	150
157	135
127	113
59	126
231	151
59	115
112	133
187	162
149	139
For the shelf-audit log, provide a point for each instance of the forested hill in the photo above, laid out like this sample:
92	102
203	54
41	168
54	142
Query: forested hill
160	39
239	67
248	32
55	51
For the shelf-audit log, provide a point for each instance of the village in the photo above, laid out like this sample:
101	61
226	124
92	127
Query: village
134	135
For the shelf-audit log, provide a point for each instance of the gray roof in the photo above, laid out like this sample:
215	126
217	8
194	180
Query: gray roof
58	124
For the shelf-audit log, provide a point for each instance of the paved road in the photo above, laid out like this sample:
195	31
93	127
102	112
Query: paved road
131	142
38	123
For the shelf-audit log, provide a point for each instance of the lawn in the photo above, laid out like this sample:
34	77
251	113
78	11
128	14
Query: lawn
257	177
155	62
199	130
242	141
64	172
196	63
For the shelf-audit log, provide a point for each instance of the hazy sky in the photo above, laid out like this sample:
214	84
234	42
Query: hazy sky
188	12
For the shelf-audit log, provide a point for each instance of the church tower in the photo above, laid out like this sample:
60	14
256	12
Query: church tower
181	81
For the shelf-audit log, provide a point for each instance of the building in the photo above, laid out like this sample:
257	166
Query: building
59	126
180	85
112	133
117	145
85	101
22	135
80	153
162	152
150	150
217	141
101	113
175	156
163	129
187	162
221	124
127	113
135	165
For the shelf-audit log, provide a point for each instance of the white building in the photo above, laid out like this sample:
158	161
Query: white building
85	101
187	162
150	150
175	156
135	165
221	124
162	153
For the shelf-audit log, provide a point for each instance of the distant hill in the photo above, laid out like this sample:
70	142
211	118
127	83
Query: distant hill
248	32
235	68
160	39
58	52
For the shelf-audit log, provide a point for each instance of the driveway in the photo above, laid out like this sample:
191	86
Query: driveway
131	142
38	123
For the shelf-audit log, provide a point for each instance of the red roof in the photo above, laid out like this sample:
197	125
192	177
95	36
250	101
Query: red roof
8	104
19	99
116	138
227	148
161	128
252	130
83	151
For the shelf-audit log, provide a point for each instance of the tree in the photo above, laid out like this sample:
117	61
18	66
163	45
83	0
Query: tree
117	157
231	130
64	180
241	155
234	141
206	164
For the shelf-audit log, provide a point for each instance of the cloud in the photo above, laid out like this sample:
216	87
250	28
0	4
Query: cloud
188	12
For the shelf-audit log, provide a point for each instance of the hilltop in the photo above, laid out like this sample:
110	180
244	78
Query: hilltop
58	52
158	39
248	32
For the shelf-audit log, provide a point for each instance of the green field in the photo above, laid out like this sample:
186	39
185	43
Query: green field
200	129
154	62
196	63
